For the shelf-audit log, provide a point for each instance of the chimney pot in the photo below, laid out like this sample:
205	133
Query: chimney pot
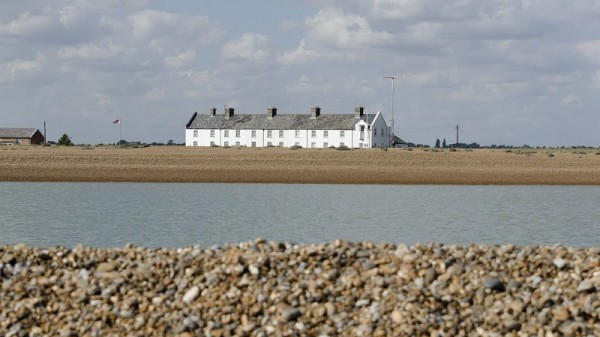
315	112
358	111
213	111
228	112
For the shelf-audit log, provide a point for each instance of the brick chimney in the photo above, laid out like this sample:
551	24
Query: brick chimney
271	112
315	112
358	111
213	111
228	112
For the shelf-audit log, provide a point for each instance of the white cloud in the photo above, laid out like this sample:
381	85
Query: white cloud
251	47
20	69
104	50
298	56
180	60
332	27
572	101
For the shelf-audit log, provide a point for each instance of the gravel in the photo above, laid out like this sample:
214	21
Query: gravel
264	288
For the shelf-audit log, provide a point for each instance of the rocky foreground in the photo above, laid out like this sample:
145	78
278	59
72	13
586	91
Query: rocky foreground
280	289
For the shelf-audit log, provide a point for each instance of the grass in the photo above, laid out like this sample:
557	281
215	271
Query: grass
283	165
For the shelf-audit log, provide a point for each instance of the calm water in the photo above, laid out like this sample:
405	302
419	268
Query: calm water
170	215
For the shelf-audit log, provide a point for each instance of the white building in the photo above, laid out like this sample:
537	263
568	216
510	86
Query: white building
286	130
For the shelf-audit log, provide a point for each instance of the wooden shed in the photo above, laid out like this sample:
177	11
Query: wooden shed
27	136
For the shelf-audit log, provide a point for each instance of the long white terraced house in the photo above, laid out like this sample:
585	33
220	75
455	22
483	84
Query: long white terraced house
314	130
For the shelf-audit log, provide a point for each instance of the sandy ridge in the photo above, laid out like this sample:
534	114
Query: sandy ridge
319	166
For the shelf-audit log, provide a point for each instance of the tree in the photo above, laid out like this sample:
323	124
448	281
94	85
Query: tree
437	143
65	140
444	143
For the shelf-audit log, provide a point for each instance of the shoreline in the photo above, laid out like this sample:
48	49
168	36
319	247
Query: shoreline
264	288
302	166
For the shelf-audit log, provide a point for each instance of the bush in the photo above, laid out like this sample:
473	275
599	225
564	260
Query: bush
295	147
65	140
343	148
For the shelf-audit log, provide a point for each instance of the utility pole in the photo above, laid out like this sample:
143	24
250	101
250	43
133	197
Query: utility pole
456	135
393	78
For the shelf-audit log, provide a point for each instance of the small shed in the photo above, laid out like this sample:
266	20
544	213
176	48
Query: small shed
27	136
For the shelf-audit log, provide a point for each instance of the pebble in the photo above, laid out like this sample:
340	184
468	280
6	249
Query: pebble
265	288
191	295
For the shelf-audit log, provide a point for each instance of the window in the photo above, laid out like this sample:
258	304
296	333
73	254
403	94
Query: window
297	144
280	133
195	133
297	133
226	144
237	133
325	134
195	143
280	144
342	134
212	133
313	144
253	133
269	133
253	144
382	132
269	144
226	133
313	134
325	144
212	143
237	143
375	132
342	144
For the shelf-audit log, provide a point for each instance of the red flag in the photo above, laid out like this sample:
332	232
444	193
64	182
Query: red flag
117	121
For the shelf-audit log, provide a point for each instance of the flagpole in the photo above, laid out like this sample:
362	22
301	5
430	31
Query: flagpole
120	137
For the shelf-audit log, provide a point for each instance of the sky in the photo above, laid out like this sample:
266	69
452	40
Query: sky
511	72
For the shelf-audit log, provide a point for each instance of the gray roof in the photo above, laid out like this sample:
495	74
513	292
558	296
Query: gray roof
278	122
17	132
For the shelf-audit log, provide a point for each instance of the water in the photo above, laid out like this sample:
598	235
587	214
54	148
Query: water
173	215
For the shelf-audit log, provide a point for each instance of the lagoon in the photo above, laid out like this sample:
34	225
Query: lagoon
174	215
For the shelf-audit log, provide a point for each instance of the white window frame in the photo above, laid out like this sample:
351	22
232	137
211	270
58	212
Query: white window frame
325	134
313	134
280	144
226	144
226	133
195	143
237	133
342	144
212	133
269	144
253	144
342	134
253	133
313	144
237	143
325	145
281	134
269	133
196	133
212	143
297	133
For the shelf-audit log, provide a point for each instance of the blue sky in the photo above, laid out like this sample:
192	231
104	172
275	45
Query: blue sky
509	72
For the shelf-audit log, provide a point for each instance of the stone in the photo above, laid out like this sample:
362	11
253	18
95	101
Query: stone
586	286
559	263
290	314
494	283
191	295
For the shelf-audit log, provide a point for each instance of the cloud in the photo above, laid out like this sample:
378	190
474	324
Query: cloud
180	60
101	51
19	70
572	101
298	56
253	48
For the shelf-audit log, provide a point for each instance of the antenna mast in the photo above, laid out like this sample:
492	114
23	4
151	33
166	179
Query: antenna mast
456	135
393	78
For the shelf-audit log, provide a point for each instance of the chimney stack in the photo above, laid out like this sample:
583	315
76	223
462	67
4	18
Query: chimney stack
315	112
271	112
228	112
358	111
213	111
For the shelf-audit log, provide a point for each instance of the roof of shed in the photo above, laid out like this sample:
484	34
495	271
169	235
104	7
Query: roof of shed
17	132
278	122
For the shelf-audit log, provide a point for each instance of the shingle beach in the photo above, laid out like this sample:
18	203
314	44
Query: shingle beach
265	288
